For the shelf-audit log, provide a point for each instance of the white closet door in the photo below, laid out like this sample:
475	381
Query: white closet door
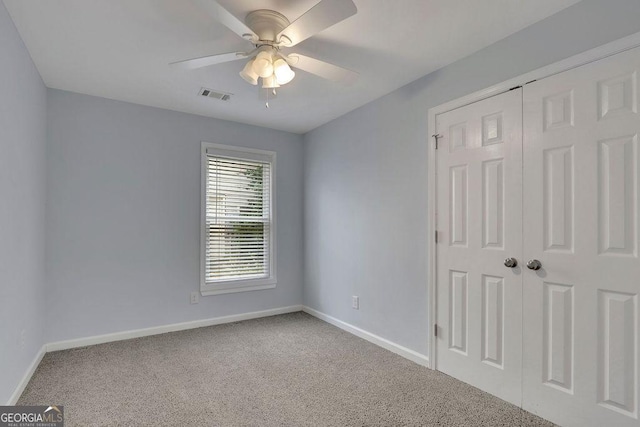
581	222
479	186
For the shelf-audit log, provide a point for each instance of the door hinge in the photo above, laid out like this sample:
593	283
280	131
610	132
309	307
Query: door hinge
435	330
436	233
436	137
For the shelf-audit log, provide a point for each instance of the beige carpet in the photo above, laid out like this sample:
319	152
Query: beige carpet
289	370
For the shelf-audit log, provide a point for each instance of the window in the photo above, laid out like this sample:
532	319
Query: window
238	226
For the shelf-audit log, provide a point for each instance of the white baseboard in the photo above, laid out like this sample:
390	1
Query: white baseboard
414	356
137	333
119	336
125	335
27	376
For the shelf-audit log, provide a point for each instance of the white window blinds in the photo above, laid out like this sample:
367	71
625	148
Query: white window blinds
238	219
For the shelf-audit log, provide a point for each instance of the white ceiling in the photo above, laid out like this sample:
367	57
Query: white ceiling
120	49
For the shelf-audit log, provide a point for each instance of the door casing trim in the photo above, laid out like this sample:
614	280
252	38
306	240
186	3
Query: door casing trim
618	46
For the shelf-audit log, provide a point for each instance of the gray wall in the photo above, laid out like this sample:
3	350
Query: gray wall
22	207
123	216
119	243
366	176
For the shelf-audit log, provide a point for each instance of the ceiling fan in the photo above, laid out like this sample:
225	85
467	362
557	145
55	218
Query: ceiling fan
270	31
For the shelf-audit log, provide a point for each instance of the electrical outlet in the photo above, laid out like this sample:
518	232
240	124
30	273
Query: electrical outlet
355	302
195	297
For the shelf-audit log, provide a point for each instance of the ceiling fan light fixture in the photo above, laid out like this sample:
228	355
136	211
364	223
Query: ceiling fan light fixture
284	74
270	82
269	31
248	74
263	65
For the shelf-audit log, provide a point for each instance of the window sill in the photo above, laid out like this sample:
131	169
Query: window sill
230	288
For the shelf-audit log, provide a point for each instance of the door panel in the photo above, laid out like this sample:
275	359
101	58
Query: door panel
581	221
480	224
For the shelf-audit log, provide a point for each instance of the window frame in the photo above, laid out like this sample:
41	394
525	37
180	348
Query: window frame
236	285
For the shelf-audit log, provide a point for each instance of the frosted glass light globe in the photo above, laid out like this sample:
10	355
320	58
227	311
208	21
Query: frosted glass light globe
270	82
248	74
262	65
284	74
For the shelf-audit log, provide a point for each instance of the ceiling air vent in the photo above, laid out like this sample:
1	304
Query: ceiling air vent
210	93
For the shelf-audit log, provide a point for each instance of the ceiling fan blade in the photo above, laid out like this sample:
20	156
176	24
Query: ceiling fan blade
205	61
321	16
322	69
225	17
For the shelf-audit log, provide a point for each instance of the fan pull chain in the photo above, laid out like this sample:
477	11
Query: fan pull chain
274	94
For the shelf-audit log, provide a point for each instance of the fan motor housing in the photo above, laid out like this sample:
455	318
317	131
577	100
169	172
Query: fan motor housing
267	24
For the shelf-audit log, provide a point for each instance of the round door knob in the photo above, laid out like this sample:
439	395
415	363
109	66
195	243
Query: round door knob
534	264
510	262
